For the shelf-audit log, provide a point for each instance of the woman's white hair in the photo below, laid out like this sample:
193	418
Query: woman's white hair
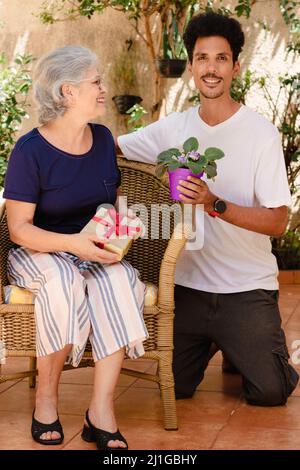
67	64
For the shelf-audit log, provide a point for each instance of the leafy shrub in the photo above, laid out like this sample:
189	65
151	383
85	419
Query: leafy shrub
15	82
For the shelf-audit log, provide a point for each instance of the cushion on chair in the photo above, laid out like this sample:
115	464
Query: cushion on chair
151	294
19	295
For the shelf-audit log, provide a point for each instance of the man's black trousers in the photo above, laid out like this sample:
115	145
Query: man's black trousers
246	326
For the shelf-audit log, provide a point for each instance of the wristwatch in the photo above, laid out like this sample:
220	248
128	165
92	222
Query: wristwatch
219	208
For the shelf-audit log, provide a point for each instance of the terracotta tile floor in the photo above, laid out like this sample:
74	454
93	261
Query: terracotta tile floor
215	418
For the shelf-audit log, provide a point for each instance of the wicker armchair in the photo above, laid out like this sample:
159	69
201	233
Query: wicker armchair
154	258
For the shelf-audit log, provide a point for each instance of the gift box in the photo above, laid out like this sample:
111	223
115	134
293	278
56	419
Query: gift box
118	230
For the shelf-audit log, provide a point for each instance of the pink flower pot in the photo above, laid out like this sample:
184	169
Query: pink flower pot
175	177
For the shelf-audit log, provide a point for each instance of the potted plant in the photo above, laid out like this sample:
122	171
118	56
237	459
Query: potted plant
173	61
188	161
125	82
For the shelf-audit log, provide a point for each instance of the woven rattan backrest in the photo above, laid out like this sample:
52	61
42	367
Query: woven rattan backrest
140	186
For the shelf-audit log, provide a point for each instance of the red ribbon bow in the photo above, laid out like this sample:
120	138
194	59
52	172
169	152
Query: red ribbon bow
116	226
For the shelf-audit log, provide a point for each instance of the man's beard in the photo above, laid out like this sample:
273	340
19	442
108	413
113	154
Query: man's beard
212	97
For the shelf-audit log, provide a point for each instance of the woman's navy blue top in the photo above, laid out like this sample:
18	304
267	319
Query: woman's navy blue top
66	188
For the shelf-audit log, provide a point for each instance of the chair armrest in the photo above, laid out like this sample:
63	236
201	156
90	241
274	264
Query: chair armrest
168	265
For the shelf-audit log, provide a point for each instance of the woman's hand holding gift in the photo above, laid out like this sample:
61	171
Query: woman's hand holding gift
86	247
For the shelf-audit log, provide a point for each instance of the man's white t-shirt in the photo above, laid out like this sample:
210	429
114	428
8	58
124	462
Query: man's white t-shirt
252	174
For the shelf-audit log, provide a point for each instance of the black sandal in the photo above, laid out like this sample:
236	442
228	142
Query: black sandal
37	429
92	434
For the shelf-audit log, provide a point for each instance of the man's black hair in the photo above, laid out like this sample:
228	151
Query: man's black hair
214	24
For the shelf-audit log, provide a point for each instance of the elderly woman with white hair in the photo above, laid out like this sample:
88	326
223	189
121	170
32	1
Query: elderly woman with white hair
58	174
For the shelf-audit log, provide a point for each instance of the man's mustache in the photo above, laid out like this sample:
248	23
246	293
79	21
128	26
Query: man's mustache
212	76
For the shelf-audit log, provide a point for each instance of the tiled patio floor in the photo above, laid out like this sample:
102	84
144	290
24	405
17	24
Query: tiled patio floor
216	418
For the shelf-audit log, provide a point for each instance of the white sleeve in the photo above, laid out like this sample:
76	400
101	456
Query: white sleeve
271	183
145	144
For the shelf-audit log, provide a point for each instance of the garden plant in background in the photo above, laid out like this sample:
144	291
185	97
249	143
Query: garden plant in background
135	120
241	85
15	82
287	121
287	247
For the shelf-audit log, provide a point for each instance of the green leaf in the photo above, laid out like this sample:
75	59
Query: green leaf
174	166
167	51
211	170
24	88
212	164
213	153
190	144
195	167
175	152
165	156
160	170
9	120
296	156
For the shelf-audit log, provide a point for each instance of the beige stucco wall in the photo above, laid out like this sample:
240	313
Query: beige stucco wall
106	34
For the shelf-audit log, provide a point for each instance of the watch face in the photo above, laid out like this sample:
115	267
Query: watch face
220	206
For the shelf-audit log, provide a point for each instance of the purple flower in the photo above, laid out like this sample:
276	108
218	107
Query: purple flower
182	158
194	155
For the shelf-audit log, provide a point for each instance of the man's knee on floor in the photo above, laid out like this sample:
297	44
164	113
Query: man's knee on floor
267	396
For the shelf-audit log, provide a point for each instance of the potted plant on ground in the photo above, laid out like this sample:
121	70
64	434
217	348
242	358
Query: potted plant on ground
125	83
188	161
